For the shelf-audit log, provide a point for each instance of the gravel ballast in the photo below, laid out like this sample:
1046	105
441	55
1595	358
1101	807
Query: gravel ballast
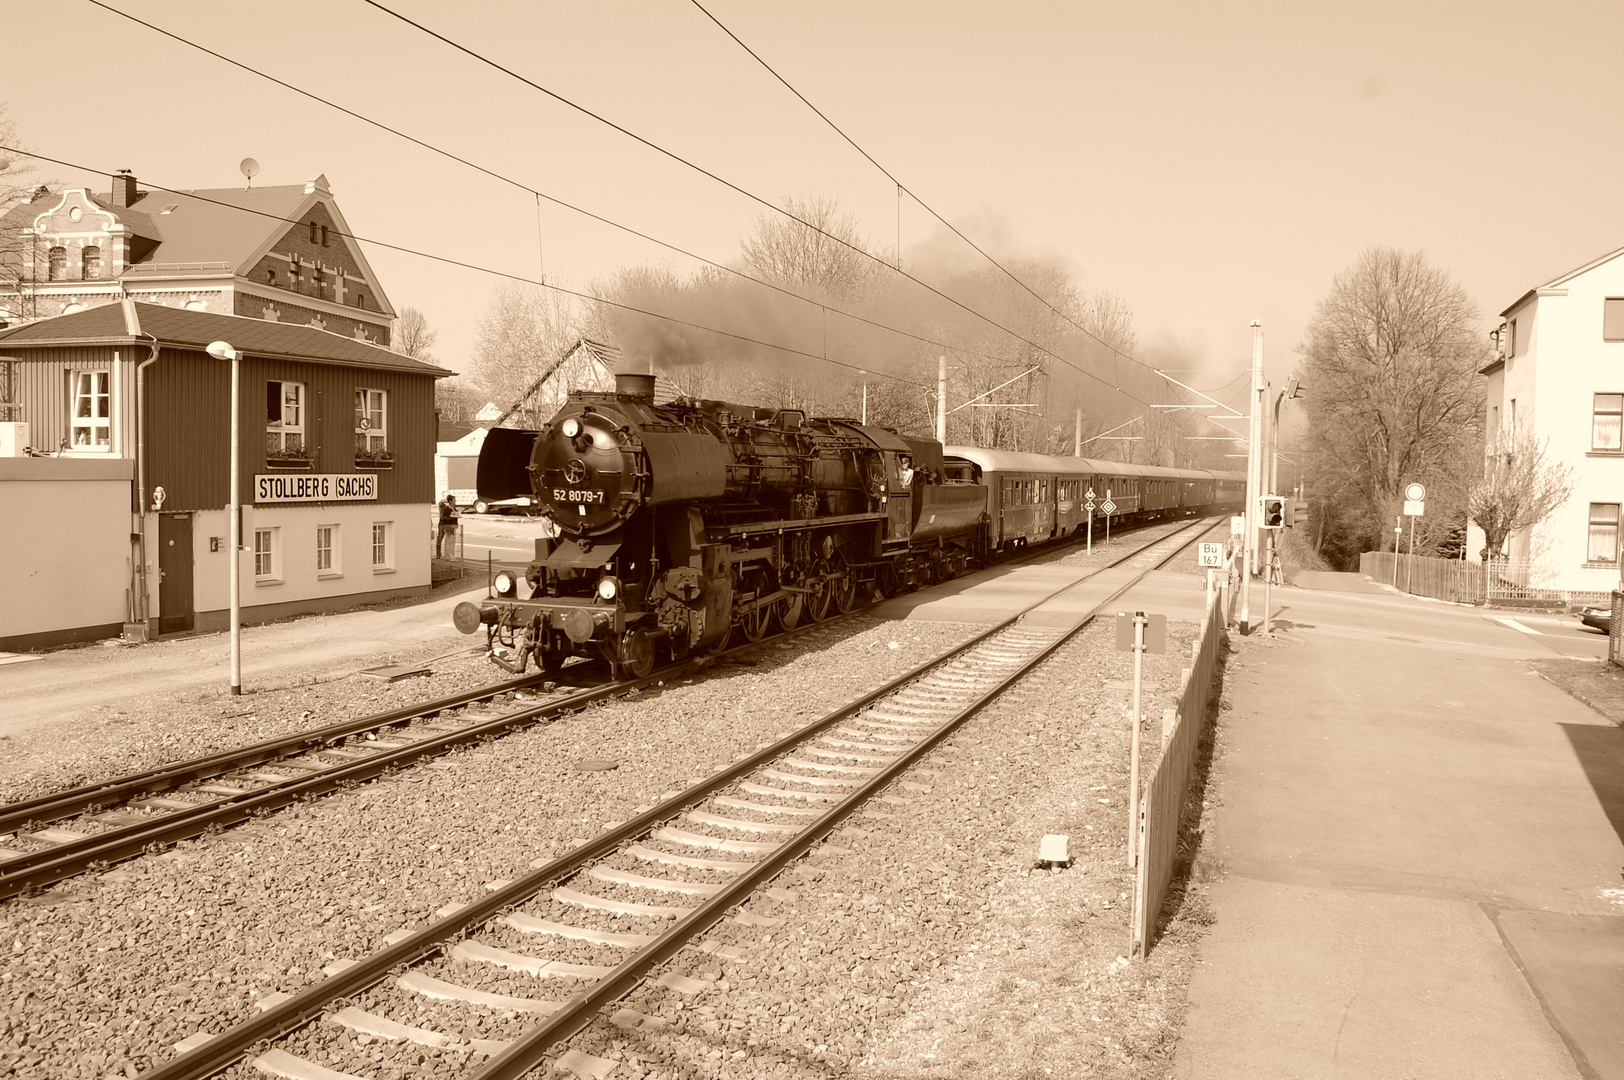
930	943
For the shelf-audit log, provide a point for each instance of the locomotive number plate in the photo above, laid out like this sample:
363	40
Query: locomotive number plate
570	495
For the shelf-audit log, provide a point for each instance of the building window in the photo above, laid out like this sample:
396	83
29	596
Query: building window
57	262
91	427
324	236
284	417
1603	533
267	555
90	267
361	300
1607	422
371	421
383	548
270	277
327	550
1511	338
313	227
1612	319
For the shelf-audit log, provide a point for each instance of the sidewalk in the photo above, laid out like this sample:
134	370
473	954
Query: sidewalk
1421	852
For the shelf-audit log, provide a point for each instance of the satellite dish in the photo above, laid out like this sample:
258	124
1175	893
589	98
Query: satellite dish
250	169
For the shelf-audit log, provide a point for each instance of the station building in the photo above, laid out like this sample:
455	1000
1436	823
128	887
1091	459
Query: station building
1559	376
280	253
115	429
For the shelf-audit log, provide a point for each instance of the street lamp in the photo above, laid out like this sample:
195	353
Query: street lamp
222	350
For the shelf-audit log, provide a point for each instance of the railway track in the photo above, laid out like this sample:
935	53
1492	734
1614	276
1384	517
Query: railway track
675	871
53	837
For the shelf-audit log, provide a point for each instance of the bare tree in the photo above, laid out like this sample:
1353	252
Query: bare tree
1520	487
1392	354
456	400
15	191
415	338
523	332
827	266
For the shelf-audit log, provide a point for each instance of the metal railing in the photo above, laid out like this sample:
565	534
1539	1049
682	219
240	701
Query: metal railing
1471	583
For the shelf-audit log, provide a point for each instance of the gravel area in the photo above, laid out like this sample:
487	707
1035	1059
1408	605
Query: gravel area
104	975
923	941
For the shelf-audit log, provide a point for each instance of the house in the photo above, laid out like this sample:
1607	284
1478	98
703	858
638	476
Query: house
280	253
1559	377
115	450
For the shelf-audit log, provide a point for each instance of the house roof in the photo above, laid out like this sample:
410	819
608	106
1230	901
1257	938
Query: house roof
181	328
1560	280
224	229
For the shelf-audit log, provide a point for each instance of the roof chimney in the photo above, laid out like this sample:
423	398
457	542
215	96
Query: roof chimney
124	192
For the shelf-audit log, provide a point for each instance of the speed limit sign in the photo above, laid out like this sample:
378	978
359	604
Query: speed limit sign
1415	492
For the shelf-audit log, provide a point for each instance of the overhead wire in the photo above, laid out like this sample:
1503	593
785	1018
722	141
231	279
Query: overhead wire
901	187
540	195
730	185
449	261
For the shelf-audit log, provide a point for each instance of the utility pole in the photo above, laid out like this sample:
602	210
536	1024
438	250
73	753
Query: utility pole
941	399
1254	464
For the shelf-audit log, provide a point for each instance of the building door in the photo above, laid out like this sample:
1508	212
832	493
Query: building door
174	573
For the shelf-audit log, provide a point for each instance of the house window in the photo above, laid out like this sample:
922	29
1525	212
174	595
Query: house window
90	267
361	300
57	262
1603	533
284	416
270	277
327	550
1511	338
267	555
1612	319
91	427
313	234
371	421
1607	422
324	236
383	548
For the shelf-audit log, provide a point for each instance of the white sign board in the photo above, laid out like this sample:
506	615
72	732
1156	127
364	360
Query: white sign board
1414	493
315	487
1414	507
1209	555
1108	507
1237	525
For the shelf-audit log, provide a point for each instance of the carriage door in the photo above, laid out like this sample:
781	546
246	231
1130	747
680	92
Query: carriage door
174	573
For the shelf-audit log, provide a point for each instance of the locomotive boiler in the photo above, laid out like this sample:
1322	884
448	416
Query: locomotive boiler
678	522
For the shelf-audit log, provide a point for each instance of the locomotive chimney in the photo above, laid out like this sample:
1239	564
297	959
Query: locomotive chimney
635	385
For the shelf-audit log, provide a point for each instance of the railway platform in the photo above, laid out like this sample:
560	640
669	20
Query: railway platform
1420	842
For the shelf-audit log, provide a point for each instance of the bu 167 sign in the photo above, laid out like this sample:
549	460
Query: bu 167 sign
1209	555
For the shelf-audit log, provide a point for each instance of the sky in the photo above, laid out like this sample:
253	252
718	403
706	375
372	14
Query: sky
1211	163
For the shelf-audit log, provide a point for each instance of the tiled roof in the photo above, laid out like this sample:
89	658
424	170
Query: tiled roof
196	231
196	329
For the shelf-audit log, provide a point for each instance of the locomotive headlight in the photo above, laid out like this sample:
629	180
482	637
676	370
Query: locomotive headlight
571	427
608	588
506	584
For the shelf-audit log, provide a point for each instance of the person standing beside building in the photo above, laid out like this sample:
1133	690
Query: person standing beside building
448	527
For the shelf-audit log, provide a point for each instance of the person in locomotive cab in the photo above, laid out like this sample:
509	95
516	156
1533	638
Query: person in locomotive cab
905	471
448	527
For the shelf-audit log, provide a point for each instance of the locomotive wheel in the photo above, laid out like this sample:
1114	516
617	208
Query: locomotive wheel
790	610
637	653
754	624
819	600
843	590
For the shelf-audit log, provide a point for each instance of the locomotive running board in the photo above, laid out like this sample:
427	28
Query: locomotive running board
798	524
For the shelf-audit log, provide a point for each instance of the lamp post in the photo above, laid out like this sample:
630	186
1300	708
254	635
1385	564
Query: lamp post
222	350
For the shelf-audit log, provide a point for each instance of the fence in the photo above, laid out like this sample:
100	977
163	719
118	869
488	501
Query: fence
1162	805
1469	583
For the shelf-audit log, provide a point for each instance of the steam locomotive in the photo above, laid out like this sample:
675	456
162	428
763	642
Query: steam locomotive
679	522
